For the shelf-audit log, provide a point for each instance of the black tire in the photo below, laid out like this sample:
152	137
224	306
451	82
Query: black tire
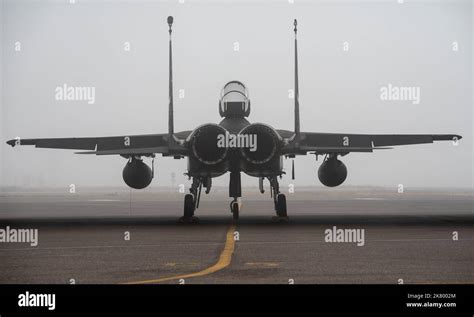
188	206
235	210
281	206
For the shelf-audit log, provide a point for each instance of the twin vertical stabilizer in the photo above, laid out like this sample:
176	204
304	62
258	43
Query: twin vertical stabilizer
297	103
170	92
171	140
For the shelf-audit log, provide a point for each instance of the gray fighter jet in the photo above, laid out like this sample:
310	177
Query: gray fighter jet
234	145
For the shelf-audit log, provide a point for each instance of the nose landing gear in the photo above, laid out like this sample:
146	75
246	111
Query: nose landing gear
235	209
235	191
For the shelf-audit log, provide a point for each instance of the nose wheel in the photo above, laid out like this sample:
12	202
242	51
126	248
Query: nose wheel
235	191
235	209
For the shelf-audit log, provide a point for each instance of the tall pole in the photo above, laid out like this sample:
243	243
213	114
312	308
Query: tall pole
297	103
170	109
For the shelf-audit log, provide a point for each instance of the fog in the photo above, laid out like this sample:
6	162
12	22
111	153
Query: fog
348	51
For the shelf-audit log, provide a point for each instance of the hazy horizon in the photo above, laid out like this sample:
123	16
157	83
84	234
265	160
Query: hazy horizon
82	44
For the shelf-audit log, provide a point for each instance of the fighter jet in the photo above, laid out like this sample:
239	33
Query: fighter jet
234	145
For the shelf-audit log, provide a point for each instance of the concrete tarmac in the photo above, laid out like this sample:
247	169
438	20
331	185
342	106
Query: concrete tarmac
108	236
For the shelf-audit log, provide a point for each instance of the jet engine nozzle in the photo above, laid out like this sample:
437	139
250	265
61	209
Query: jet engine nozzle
205	146
263	142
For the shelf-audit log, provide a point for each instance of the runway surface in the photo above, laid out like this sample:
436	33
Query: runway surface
408	238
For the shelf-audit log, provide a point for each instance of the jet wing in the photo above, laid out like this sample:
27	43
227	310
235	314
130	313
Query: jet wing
323	143
113	145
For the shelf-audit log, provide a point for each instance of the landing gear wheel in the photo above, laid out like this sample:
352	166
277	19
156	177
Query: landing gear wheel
189	206
234	208
280	206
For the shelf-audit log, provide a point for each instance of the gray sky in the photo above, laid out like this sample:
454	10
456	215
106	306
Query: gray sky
82	44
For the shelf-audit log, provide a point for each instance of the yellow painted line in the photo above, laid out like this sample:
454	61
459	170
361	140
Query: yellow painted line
224	261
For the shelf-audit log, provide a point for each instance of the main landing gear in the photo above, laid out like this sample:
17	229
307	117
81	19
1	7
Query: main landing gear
279	200
191	200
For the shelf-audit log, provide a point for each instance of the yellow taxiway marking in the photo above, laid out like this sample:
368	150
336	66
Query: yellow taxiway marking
224	261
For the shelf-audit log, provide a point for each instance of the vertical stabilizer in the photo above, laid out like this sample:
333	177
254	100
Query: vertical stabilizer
170	108
297	103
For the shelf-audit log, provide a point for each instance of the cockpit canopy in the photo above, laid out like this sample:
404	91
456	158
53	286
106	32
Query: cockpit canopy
234	100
